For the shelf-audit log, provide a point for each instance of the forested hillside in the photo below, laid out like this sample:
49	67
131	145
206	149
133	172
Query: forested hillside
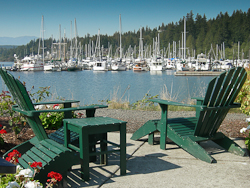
201	33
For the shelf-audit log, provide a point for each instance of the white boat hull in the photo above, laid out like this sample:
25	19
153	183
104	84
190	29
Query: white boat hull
118	68
32	67
100	66
156	68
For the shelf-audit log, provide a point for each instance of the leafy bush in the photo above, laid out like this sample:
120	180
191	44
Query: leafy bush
2	131
244	98
145	103
40	95
15	118
52	120
244	95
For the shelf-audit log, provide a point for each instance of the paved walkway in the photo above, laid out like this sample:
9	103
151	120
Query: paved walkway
149	166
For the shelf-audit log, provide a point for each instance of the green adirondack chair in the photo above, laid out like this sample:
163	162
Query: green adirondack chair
43	148
210	112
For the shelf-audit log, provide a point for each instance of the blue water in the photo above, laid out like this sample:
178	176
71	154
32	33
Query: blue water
90	87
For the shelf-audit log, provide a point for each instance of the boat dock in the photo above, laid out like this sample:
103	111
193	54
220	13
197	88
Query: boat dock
197	73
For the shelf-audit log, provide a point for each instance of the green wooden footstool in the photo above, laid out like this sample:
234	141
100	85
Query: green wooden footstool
94	131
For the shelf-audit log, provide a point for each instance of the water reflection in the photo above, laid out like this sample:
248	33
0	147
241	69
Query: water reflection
155	72
90	87
169	72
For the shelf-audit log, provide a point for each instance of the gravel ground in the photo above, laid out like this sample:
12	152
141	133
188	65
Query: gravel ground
135	119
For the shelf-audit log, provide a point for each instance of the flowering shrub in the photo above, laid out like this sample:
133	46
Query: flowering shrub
40	95
55	177
2	131
6	104
244	130
52	120
244	98
244	95
13	157
79	115
145	103
25	177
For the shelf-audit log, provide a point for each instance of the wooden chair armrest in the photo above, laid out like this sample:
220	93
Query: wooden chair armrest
234	105
166	102
33	113
57	102
200	107
198	99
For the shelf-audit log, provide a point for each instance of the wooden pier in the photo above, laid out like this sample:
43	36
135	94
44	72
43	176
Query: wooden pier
197	73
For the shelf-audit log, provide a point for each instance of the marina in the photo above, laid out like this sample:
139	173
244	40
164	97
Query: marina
92	87
144	58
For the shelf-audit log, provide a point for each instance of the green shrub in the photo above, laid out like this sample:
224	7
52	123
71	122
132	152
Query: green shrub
244	98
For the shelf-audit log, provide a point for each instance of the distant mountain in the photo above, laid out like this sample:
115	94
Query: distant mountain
16	40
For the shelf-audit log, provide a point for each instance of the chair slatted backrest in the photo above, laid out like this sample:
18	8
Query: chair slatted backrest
221	92
22	98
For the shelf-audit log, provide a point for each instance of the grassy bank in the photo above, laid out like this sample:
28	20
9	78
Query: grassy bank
145	104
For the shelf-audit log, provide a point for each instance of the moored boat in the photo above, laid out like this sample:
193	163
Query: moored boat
31	64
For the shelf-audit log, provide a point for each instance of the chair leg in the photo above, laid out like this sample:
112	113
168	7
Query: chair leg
103	147
163	137
230	146
92	148
123	149
84	155
148	128
151	138
190	146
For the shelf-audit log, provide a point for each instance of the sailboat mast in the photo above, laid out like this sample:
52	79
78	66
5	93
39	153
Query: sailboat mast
70	39
64	40
43	37
120	37
76	55
59	41
184	38
141	45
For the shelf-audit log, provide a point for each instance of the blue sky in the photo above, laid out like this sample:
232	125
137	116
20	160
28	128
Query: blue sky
23	17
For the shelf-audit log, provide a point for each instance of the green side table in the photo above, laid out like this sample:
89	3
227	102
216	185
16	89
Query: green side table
93	130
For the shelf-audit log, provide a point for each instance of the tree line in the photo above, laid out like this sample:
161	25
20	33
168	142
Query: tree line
201	35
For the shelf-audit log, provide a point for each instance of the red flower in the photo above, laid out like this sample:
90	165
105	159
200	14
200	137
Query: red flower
8	159
55	175
1	125
14	153
55	105
12	160
3	131
35	164
13	156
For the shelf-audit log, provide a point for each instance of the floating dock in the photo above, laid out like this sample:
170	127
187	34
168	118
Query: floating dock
198	73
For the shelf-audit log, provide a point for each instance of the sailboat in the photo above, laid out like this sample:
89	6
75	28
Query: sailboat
33	63
72	64
157	61
118	64
99	63
140	63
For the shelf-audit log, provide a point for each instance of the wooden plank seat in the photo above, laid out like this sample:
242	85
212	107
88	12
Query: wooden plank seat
210	112
25	106
54	157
